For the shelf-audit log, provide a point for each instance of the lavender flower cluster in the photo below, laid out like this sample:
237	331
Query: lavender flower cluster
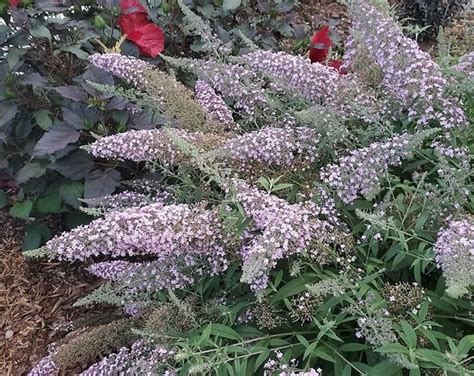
123	200
279	230
319	84
149	145
140	359
466	65
454	250
409	75
151	276
277	147
315	82
234	82
213	104
183	241
359	172
354	101
277	367
45	367
127	68
171	231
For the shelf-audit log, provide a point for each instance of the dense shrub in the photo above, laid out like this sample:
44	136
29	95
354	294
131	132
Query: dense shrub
433	13
49	107
304	222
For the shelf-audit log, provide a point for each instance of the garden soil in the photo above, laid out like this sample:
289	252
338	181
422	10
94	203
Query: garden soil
36	299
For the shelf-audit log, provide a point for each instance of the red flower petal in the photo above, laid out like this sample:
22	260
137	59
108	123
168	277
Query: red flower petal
132	6
320	45
337	64
14	3
134	22
131	22
149	39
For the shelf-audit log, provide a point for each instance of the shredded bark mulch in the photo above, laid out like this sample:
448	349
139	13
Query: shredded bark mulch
35	297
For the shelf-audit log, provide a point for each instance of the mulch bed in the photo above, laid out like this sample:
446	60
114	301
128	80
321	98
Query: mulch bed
34	298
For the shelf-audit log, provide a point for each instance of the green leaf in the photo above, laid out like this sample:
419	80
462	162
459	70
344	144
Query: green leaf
302	340
320	352
410	335
433	356
29	171
347	370
205	334
231	4
224	331
309	350
14	55
465	345
415	372
249	331
385	368
348	347
35	233
22	209
261	358
40	31
420	222
3	199
392	348
48	204
281	186
70	192
264	183
42	119
293	287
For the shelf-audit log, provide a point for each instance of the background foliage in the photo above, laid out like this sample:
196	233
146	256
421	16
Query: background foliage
49	109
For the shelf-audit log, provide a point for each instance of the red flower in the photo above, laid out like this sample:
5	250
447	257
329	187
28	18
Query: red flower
14	3
319	49
134	22
337	64
320	45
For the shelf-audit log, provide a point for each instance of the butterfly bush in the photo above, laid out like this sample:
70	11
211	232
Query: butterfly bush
278	147
235	82
127	68
146	243
161	90
148	145
278	367
409	75
140	359
156	230
353	100
282	230
359	172
213	104
466	65
45	367
315	82
319	84
454	250
150	276
123	200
